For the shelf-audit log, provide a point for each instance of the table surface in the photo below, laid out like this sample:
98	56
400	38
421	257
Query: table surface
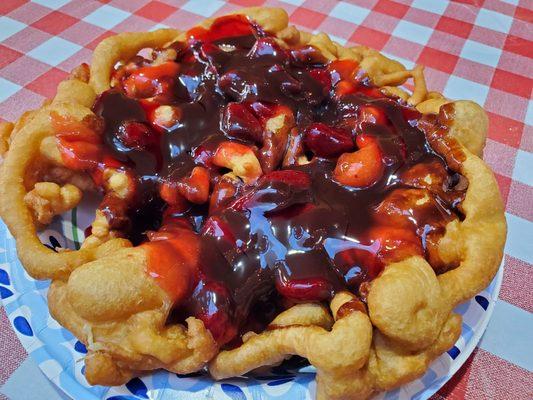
476	49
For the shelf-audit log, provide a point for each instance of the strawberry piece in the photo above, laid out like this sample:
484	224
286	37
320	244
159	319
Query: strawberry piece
136	135
267	47
209	51
172	260
411	115
370	91
70	129
291	86
364	262
110	162
360	263
221	28
224	190
323	77
310	289
234	83
363	167
264	111
396	244
171	229
291	177
219	229
306	55
326	141
343	70
372	115
216	311
170	194
195	187
80	133
203	155
344	88
240	123
79	155
149	81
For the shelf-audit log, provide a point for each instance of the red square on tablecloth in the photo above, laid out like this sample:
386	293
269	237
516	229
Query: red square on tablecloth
524	14
7	55
155	10
248	3
6	6
55	22
92	45
438	59
46	84
504	184
391	8
518	45
370	37
308	18
512	83
505	130
517	273
454	26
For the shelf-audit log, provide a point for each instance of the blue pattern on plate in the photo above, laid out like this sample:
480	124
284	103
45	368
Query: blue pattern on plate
21	324
4	277
454	352
5	292
279	381
80	347
233	392
137	387
55	349
482	301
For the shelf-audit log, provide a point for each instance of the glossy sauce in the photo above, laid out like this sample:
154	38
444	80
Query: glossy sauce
296	235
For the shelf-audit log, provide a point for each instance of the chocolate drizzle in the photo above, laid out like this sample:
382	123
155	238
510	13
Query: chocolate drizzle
297	235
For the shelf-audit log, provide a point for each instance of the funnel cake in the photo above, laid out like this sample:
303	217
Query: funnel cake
265	193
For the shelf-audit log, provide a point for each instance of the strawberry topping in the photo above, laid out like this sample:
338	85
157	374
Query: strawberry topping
261	176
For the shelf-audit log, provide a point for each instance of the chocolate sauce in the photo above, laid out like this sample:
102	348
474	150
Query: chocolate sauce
296	235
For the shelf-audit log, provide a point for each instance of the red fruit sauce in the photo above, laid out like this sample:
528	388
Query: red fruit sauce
296	235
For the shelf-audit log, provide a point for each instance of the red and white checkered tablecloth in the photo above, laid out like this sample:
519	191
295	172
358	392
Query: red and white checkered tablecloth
475	49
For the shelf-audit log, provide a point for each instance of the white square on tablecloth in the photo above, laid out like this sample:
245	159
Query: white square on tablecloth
481	53
7	88
434	6
9	27
54	51
494	20
523	167
53	4
529	113
519	238
106	17
349	12
205	8
459	88
413	32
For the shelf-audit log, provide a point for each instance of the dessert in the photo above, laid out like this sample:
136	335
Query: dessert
265	193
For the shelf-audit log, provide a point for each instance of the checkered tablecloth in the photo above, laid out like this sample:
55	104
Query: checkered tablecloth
475	49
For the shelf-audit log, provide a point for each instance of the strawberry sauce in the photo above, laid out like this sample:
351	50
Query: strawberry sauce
374	191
